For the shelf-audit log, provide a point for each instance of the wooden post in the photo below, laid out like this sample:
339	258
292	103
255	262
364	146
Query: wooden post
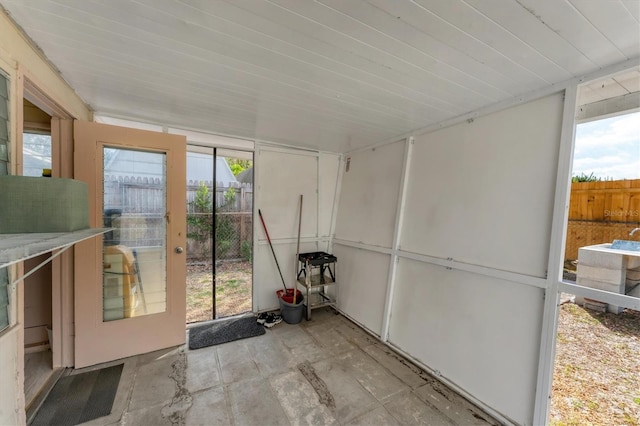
243	205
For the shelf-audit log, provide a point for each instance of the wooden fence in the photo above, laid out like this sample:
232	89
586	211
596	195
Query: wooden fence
600	212
134	206
234	225
130	195
240	201
143	195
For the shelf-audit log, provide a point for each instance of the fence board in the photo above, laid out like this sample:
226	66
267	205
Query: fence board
582	233
600	212
616	201
138	202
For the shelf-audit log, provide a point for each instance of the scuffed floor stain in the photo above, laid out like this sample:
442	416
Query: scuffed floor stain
416	370
477	416
176	410
355	336
318	384
439	388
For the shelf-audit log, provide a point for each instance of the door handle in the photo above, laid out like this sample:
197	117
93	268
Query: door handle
179	250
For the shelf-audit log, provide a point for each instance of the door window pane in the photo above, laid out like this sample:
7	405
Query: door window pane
134	200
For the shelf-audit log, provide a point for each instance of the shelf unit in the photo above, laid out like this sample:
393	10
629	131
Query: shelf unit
15	248
316	275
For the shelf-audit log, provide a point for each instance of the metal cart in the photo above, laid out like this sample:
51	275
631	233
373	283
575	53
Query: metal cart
317	277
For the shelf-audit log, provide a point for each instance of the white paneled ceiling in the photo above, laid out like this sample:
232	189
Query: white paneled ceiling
330	74
611	87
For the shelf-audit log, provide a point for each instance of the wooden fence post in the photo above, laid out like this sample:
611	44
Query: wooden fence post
600	212
243	205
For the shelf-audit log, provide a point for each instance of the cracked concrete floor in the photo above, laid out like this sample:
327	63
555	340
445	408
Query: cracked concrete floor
326	371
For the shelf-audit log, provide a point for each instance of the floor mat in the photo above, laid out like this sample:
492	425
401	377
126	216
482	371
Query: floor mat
223	332
79	398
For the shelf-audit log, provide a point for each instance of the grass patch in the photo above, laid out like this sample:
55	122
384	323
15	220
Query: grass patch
595	372
233	290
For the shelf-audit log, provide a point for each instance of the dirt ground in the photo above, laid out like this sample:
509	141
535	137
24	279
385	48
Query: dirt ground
597	370
233	290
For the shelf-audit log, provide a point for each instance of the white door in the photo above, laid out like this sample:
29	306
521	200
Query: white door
130	284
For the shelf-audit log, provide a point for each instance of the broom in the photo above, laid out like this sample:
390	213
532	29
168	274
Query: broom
264	226
295	297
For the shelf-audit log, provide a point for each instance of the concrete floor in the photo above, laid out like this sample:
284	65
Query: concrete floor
350	379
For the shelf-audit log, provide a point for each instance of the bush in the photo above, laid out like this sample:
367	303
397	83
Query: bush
246	250
201	221
582	177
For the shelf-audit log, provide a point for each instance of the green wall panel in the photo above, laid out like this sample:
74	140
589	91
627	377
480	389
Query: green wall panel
4	170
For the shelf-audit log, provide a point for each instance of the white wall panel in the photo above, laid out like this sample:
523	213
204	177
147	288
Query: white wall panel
482	192
266	279
479	332
362	284
329	166
283	176
369	195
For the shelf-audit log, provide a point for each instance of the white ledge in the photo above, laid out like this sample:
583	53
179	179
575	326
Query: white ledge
15	248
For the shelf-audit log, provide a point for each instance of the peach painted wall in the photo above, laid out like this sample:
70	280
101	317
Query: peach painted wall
18	57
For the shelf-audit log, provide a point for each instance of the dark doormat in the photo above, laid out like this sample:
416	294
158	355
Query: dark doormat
79	398
223	332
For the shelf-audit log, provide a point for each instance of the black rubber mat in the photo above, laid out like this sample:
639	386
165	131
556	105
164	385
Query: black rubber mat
79	398
223	332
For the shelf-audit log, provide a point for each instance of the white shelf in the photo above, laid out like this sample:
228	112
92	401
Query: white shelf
319	299
15	248
316	281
